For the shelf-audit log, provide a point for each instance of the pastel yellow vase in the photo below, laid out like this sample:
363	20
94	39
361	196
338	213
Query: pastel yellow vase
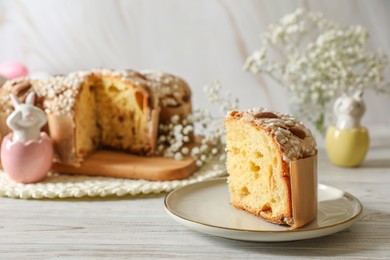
347	147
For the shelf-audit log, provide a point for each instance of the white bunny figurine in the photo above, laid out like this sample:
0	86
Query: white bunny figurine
349	110
26	120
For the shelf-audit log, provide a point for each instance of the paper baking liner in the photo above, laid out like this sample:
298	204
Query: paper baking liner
303	181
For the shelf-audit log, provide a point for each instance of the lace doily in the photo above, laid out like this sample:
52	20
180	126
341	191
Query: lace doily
77	186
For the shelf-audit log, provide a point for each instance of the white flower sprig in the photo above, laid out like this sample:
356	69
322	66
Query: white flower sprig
200	135
316	60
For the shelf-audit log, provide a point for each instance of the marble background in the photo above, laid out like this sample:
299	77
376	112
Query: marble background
202	40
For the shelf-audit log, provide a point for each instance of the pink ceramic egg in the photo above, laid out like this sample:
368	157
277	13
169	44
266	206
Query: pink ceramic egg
13	69
27	162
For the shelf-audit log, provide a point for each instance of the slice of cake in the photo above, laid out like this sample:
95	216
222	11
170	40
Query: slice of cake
268	173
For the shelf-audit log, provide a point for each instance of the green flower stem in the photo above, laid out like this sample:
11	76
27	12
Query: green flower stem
320	124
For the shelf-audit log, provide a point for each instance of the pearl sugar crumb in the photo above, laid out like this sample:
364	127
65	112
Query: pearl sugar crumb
176	137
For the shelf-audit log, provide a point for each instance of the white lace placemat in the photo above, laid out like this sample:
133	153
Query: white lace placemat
77	186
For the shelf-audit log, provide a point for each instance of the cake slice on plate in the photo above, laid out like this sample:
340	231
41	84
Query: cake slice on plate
271	162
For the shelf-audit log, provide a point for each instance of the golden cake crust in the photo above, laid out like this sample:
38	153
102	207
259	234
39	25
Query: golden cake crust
173	92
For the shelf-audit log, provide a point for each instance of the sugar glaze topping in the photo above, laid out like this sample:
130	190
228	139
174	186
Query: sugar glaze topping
171	90
59	93
294	139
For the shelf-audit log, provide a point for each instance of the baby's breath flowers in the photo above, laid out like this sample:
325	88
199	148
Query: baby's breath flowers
317	60
200	135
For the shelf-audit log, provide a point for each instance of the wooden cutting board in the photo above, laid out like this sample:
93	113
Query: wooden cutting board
122	165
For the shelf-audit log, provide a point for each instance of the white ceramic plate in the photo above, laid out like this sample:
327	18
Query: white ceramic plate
205	207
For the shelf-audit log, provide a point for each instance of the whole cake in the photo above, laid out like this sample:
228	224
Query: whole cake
271	162
89	110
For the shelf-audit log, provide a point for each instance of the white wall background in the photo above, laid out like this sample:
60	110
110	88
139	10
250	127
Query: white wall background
200	40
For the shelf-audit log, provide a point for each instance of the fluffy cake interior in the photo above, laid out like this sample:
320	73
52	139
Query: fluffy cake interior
86	131
255	171
109	113
120	115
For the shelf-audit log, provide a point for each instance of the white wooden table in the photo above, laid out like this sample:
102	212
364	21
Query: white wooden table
139	227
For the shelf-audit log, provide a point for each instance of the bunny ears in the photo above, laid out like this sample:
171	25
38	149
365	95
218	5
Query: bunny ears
358	95
29	99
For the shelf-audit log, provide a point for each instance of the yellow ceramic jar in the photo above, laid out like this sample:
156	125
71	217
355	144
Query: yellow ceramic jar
347	147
